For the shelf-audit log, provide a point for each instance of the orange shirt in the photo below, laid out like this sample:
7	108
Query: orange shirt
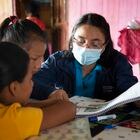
18	123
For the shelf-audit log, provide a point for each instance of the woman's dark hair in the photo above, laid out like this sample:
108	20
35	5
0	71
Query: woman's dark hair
20	32
98	21
14	62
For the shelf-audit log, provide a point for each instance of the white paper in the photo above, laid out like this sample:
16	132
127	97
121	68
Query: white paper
96	107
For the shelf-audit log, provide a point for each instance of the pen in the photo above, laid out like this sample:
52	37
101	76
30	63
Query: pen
101	118
110	126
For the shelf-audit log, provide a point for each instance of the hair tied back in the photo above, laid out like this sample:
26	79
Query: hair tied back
13	19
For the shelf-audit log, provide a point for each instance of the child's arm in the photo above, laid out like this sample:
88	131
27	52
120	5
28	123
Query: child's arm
58	113
41	103
59	94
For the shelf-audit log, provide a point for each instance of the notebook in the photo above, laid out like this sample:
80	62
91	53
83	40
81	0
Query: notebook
94	107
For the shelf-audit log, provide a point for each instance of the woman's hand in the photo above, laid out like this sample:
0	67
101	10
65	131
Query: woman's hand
59	94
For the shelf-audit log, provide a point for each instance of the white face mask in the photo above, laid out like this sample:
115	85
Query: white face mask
85	56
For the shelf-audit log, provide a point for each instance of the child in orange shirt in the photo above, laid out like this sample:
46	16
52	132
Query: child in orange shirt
17	120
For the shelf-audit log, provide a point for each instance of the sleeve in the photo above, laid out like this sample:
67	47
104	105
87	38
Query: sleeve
28	121
45	79
124	75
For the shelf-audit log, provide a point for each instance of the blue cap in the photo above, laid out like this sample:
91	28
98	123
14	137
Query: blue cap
93	119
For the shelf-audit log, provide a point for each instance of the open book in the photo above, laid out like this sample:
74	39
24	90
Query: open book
94	107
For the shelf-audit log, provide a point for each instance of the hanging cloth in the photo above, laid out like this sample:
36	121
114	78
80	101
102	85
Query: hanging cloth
129	42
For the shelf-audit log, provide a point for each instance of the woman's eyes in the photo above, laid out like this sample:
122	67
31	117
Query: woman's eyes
81	41
95	44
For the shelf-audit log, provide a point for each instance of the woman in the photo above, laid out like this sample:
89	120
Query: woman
91	67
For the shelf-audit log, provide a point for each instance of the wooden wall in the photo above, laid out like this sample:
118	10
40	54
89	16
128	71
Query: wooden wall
7	9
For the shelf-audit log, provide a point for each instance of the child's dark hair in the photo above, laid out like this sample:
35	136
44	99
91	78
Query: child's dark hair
14	62
20	32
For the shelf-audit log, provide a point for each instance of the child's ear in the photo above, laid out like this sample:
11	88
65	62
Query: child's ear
13	88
